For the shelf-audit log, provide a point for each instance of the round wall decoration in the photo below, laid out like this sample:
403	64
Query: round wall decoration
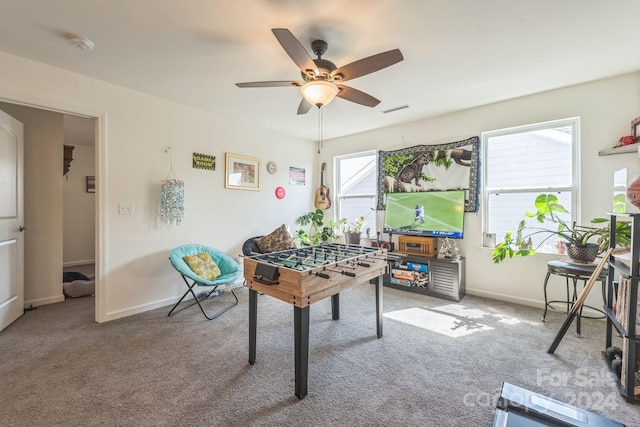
280	193
272	167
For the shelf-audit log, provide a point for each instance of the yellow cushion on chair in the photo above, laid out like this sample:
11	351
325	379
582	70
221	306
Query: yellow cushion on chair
203	265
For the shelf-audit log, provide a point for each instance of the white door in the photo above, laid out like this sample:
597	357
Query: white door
11	221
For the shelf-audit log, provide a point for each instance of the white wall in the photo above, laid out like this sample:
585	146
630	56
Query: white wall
78	245
133	271
136	128
606	109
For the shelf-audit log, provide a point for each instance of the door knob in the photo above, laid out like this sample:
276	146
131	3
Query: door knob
23	227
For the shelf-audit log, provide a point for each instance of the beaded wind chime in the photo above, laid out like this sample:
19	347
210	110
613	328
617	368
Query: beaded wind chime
171	198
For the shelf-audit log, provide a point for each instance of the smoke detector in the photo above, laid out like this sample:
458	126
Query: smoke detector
81	43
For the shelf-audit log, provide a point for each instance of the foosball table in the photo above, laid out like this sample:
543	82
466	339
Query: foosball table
305	276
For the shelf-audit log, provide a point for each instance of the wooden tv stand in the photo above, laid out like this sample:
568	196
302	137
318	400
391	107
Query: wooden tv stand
442	278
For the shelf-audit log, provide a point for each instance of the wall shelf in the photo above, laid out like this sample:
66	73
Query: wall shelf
633	148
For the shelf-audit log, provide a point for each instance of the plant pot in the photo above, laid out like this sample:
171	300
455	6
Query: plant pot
352	238
585	254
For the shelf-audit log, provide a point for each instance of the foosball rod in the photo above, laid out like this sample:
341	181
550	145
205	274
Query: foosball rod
354	264
343	255
292	257
286	262
346	273
342	250
345	264
349	247
314	252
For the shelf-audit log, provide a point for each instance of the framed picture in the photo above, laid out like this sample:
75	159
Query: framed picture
635	129
242	172
91	184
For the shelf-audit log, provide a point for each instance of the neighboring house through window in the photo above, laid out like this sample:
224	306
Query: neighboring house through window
522	162
356	188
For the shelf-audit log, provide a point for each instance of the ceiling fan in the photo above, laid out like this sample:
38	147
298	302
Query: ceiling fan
322	79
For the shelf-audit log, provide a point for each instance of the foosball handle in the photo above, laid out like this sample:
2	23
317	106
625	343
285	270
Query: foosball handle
323	275
364	264
349	273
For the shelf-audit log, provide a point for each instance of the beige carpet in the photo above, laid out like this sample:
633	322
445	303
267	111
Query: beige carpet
438	364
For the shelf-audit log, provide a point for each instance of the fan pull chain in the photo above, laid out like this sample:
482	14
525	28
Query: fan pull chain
320	136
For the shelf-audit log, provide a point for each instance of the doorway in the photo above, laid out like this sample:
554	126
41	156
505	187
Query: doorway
44	240
78	229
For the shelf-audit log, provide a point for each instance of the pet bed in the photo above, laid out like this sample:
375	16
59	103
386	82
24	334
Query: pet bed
76	284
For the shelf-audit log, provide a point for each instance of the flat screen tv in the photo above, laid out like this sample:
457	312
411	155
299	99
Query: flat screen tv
429	214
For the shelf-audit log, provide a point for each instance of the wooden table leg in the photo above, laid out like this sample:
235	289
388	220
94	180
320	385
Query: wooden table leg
379	306
253	320
301	332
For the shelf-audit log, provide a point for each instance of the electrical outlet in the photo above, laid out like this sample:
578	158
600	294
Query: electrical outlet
489	240
125	208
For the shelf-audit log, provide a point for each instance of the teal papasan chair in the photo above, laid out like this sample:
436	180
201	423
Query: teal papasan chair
229	272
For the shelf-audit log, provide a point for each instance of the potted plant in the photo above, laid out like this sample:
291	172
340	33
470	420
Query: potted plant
316	232
582	244
352	231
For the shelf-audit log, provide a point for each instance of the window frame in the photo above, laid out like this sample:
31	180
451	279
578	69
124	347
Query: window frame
336	184
574	188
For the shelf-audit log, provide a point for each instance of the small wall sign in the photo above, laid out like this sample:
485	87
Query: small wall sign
204	161
297	176
91	184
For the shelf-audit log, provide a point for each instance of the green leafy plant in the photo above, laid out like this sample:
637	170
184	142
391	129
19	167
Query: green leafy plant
313	230
549	210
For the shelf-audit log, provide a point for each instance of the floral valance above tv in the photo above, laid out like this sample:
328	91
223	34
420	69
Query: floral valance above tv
442	167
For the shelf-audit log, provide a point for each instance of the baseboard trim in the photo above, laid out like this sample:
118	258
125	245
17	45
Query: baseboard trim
506	298
586	311
43	301
147	307
74	263
141	308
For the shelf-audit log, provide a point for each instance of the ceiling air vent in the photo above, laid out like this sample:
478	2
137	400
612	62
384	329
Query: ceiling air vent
402	107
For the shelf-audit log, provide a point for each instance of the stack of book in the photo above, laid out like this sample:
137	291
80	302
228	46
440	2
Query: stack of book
621	311
620	307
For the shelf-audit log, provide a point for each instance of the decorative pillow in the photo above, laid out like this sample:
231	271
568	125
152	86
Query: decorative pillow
203	265
278	240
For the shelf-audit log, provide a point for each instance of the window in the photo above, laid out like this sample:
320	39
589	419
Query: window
356	188
522	162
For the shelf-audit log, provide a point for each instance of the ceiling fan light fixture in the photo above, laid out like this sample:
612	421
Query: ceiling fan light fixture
319	92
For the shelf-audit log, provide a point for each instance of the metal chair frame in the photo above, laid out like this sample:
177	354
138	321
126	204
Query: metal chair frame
198	299
207	294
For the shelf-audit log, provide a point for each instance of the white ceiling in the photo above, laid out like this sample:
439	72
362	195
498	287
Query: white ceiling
458	53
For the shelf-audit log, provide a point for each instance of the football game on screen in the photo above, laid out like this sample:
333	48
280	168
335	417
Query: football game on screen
428	213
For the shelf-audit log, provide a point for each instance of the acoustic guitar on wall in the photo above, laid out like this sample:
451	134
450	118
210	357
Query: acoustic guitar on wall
322	193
